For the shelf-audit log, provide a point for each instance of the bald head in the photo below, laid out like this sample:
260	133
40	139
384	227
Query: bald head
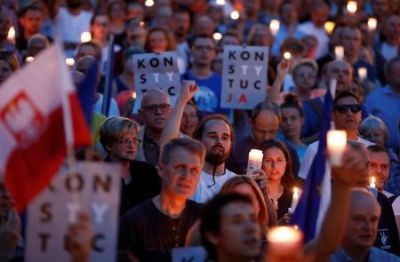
154	94
84	63
362	225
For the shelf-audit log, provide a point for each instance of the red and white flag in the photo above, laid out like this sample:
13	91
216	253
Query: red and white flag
32	135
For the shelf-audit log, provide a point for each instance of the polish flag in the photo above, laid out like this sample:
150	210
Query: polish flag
32	136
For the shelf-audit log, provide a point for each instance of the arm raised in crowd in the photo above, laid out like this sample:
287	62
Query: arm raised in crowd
273	93
344	178
173	124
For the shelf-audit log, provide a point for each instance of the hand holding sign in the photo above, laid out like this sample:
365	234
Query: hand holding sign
79	237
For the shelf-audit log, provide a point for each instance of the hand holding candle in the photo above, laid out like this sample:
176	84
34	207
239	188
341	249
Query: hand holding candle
337	141
339	52
255	160
284	244
295	200
372	182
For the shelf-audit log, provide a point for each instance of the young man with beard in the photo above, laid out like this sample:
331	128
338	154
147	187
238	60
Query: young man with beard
153	228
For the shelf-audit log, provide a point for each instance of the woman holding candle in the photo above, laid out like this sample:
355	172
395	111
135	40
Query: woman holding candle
277	166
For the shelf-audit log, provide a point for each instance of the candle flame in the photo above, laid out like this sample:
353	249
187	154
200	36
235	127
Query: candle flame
372	23
274	26
287	55
352	6
329	26
86	37
372	181
11	34
235	15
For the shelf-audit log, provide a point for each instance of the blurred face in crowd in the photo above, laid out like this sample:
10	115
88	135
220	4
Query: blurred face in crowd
181	23
380	7
264	126
289	14
117	11
305	78
135	10
125	148
347	114
392	29
379	167
274	163
362	224
376	135
239	234
262	37
204	26
74	3
272	4
351	41
291	122
36	46
246	189
190	120
181	174
5	24
155	109
5	70
252	7
31	21
100	27
158	41
393	76
341	71
217	138
229	40
203	51
319	15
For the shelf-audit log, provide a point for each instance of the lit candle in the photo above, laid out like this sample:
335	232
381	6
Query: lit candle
351	7
329	26
235	15
217	36
372	23
372	181
295	199
29	59
274	26
336	141
362	73
339	52
149	3
284	244
287	55
11	35
255	160
133	95
70	61
142	24
86	37
220	2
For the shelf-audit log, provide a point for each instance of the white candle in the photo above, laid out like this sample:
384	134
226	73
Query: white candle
86	37
29	59
149	3
217	36
295	199
329	26
133	95
255	160
339	52
362	73
70	61
274	26
11	35
284	244
337	141
351	7
287	55
220	2
372	181
372	23
235	15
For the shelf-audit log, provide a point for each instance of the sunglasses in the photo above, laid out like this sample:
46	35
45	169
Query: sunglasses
345	108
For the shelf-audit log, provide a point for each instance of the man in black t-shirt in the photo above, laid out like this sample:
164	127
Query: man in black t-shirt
153	228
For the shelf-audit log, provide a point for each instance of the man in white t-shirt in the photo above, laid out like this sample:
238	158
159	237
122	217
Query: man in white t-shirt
70	20
216	134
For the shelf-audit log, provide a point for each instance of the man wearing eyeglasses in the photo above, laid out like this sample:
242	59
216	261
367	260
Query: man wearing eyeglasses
155	110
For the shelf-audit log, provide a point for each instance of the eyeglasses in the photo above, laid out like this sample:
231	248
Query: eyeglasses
128	141
203	47
154	108
345	108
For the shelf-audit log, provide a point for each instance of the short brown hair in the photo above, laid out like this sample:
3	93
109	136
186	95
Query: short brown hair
112	129
188	144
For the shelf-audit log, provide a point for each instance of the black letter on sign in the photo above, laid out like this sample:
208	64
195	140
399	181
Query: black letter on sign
171	91
231	55
71	186
244	84
143	78
231	69
168	61
259	56
154	62
43	241
245	55
95	245
103	182
257	84
140	64
45	210
230	82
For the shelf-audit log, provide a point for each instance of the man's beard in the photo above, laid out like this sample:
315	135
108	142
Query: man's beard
216	155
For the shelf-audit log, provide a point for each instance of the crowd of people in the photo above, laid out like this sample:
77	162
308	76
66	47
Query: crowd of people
185	177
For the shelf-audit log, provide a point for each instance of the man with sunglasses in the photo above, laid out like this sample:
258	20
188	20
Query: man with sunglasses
154	111
346	116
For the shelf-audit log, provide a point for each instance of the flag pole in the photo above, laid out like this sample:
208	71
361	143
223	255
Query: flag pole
109	75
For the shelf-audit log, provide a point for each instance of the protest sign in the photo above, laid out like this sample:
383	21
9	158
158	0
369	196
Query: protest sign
244	76
189	254
95	189
156	71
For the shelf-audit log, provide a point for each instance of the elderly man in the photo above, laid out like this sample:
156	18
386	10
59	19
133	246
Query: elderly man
153	228
155	110
361	231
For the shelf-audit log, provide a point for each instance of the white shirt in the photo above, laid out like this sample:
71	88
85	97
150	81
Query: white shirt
309	28
388	51
206	188
71	26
